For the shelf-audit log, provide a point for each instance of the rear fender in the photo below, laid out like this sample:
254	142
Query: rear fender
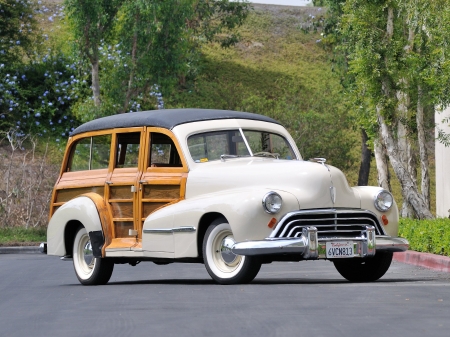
89	210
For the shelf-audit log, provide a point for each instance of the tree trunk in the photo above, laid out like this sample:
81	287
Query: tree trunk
366	154
409	187
381	159
425	178
95	82
403	144
133	68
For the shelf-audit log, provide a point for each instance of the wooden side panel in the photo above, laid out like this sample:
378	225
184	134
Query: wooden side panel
65	195
82	178
161	192
120	192
121	228
150	207
122	210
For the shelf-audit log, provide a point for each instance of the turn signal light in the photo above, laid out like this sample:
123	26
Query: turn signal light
385	220
272	223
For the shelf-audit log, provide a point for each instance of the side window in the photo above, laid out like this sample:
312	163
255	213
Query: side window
127	152
101	147
163	152
91	153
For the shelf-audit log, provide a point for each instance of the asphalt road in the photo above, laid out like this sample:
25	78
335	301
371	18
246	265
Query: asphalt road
40	296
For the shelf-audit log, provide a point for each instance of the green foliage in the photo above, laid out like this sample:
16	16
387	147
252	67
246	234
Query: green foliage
18	30
18	235
429	236
92	22
214	18
279	71
149	48
37	96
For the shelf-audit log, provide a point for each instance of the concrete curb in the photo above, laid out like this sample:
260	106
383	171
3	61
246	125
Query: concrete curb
20	250
426	260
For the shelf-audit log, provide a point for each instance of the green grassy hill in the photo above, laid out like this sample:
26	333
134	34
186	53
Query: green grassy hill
279	70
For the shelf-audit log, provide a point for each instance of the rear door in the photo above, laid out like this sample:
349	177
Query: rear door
122	188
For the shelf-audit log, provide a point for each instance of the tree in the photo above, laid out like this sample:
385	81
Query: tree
156	43
153	43
92	22
17	31
398	57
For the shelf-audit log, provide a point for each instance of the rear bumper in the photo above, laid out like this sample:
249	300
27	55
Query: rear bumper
310	247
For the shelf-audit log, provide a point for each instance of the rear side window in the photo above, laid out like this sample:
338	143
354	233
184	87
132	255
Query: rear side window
163	152
127	152
91	153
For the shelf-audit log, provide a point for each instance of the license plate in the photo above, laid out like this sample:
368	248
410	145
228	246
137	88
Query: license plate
336	250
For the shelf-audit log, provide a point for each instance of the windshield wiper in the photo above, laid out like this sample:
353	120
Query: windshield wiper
266	154
230	156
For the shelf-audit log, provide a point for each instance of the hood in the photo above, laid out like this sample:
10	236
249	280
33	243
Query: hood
311	183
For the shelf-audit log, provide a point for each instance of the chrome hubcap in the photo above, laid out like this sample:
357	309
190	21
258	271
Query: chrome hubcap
88	254
225	250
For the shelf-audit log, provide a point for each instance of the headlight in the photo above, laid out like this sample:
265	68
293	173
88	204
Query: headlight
383	201
272	202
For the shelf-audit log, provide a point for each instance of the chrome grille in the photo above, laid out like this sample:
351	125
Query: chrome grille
329	223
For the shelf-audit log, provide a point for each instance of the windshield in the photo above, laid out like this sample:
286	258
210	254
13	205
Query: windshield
217	145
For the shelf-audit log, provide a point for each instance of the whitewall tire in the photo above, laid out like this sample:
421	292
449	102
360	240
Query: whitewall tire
89	269
222	264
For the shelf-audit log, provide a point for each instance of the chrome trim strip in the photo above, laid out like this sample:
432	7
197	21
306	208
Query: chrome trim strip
184	229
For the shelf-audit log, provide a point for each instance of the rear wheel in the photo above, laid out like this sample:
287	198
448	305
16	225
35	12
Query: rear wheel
364	270
89	269
222	264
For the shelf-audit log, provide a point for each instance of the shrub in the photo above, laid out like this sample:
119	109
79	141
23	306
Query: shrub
26	181
429	236
38	95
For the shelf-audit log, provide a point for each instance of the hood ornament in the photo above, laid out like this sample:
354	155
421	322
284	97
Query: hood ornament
320	161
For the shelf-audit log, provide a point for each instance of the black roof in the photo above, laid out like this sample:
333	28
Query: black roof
166	118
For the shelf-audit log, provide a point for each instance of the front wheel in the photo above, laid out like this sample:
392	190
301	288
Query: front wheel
364	270
222	264
89	269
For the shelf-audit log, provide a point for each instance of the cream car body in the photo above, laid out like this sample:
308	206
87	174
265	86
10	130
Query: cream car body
220	217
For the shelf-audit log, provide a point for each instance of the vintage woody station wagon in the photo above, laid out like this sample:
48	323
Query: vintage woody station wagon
225	188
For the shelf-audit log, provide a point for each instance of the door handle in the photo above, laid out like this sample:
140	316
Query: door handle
142	182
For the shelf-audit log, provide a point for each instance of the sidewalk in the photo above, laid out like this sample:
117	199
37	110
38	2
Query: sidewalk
425	260
20	250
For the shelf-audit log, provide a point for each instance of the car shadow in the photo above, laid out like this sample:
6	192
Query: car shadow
262	281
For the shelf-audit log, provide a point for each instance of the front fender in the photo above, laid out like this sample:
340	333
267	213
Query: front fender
242	208
367	195
88	209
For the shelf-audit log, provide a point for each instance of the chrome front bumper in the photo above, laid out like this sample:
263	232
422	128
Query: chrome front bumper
310	247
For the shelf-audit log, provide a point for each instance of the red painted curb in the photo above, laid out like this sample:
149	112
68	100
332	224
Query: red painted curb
426	260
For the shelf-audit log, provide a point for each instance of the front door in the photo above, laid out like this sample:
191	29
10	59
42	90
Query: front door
163	182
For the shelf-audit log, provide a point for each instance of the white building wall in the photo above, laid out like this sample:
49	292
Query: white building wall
442	168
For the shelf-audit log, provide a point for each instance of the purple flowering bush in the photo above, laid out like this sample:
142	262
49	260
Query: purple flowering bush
37	96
